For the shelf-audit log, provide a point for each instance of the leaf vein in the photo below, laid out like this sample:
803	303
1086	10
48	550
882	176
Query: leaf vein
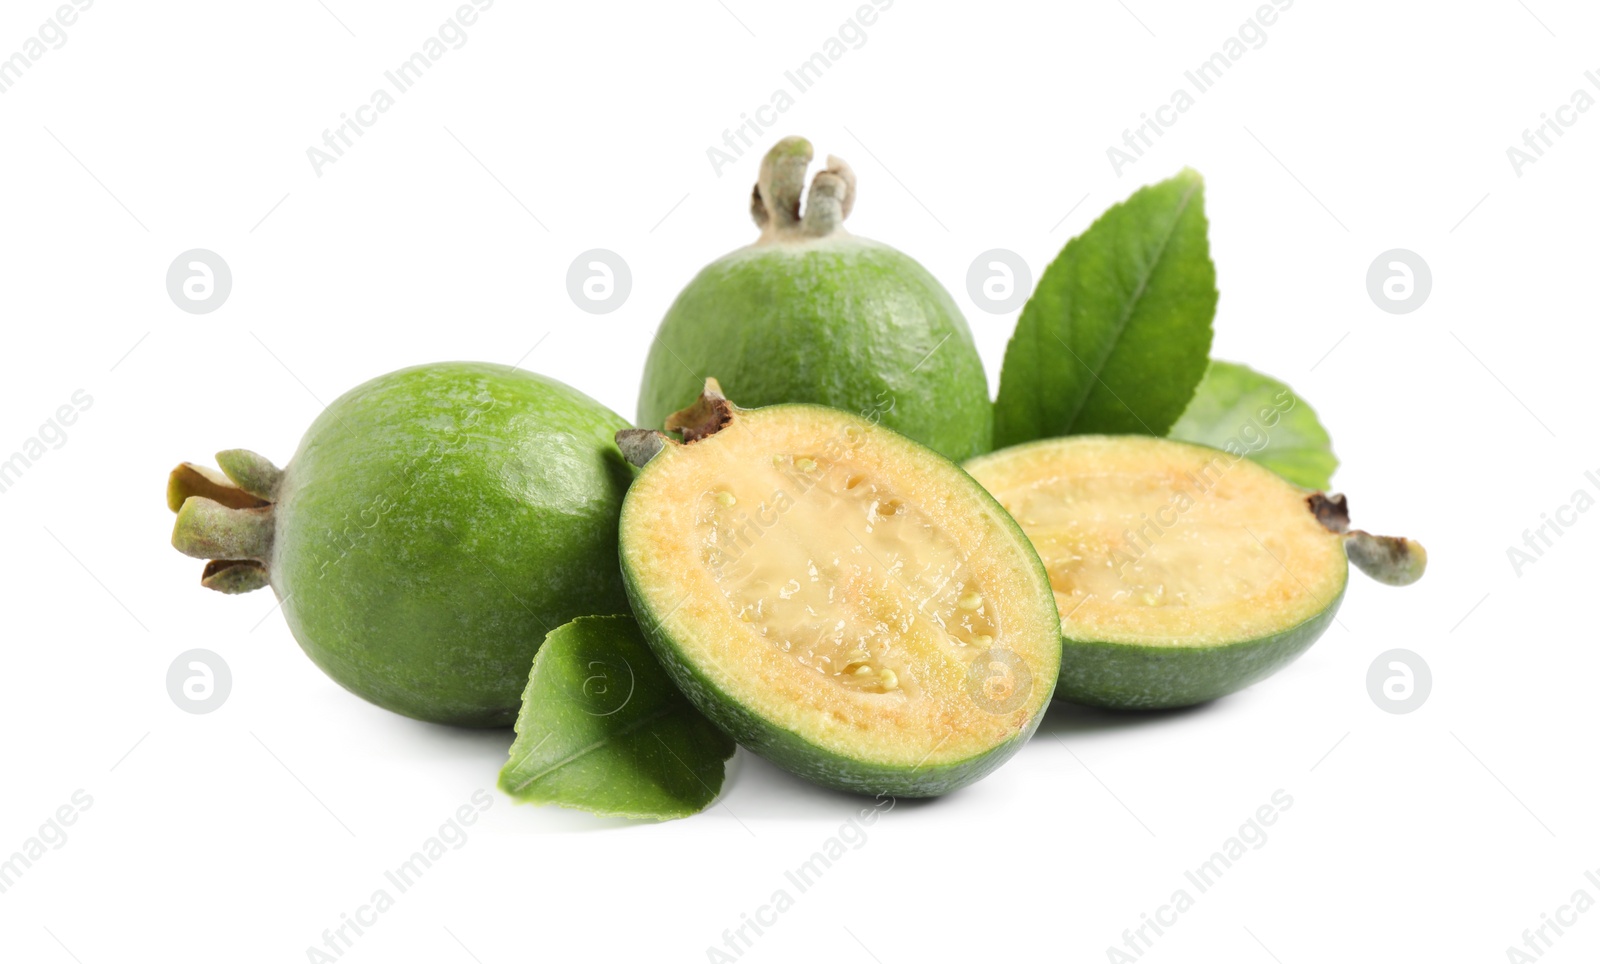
667	710
1129	308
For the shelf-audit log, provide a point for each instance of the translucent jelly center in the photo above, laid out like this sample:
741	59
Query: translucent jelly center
1144	540
832	568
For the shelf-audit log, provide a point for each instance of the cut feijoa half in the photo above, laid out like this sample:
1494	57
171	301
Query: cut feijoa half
1182	573
840	599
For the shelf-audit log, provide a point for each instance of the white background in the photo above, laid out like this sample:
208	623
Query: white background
446	233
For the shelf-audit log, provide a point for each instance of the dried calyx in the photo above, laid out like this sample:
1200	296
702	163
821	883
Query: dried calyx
1391	560
775	201
710	414
225	518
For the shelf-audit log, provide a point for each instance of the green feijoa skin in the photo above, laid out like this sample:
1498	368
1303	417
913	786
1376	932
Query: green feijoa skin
434	524
603	729
812	313
1182	573
838	598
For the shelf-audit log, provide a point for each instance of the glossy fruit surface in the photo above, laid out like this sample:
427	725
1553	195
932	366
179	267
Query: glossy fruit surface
811	313
433	526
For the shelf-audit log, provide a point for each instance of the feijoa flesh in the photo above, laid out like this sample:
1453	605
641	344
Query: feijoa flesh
837	597
1182	573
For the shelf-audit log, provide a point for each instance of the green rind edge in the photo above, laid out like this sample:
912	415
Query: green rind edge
790	750
1173	676
1127	676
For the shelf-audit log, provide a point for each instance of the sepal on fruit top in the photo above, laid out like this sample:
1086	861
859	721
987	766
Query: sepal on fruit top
775	201
809	312
226	518
710	414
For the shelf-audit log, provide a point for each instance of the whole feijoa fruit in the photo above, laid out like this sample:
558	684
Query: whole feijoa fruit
1182	573
811	313
838	598
433	526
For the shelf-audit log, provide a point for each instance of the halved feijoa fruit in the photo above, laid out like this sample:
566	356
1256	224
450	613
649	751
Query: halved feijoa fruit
1182	573
840	599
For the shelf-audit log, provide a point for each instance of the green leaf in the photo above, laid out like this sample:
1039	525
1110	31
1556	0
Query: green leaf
603	729
1246	413
1116	335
